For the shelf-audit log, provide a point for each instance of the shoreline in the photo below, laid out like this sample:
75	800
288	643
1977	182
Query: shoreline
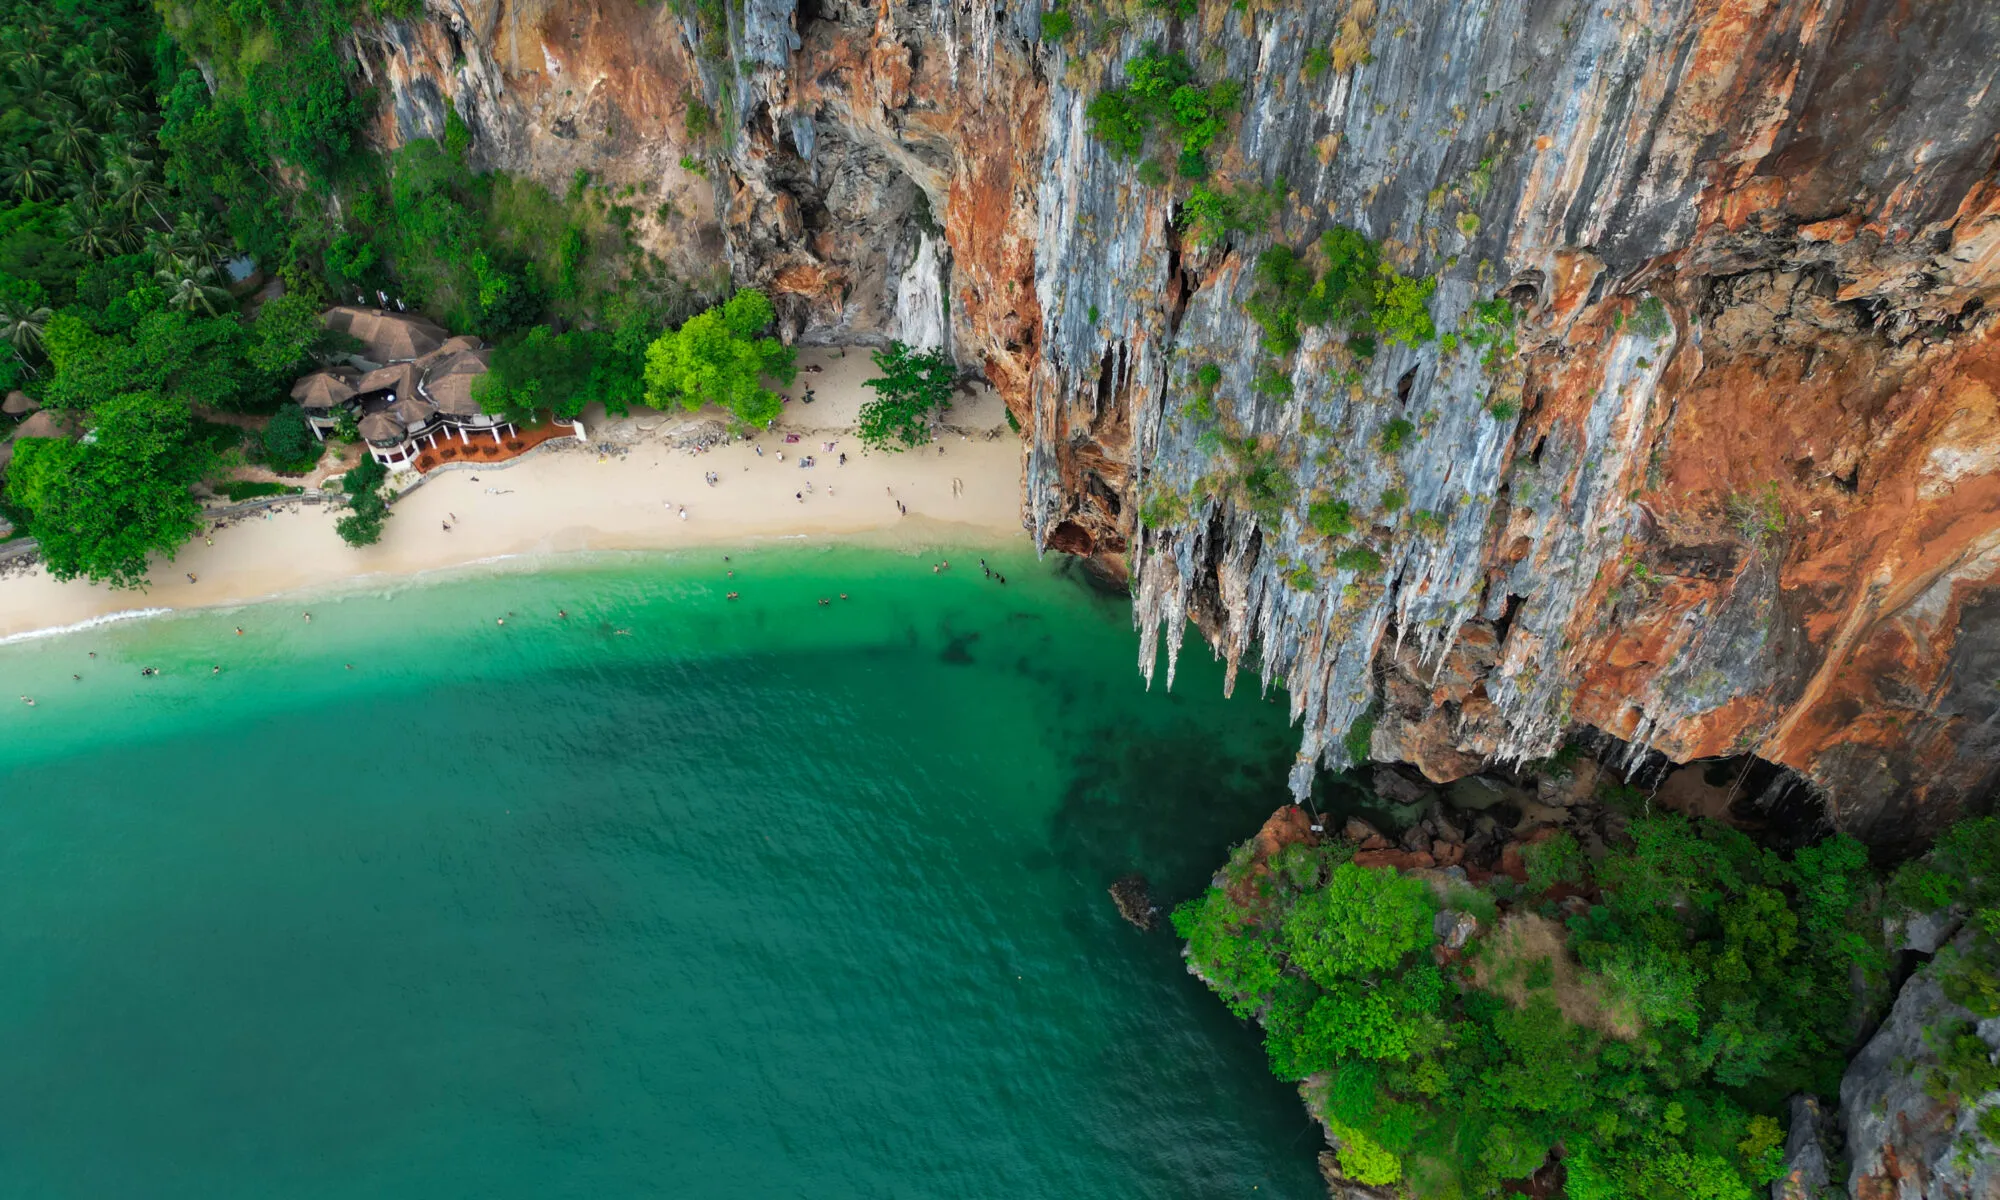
623	491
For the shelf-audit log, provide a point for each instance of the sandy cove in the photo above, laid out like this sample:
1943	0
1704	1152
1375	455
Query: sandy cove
570	497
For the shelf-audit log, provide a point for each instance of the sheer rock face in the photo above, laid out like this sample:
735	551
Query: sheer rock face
1741	493
1906	1143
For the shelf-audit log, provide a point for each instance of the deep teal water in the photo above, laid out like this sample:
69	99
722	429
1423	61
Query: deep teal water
759	899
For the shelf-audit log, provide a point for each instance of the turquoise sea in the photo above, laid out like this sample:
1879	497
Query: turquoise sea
676	896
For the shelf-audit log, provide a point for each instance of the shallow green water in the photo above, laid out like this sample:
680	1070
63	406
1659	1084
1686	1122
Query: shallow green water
759	899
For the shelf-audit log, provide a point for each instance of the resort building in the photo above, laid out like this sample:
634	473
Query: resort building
408	389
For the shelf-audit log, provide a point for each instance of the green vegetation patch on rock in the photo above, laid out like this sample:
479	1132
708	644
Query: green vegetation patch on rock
1642	1012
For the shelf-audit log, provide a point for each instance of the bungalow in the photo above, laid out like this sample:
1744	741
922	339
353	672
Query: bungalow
408	389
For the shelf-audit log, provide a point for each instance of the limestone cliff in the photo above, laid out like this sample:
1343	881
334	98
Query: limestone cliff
1738	492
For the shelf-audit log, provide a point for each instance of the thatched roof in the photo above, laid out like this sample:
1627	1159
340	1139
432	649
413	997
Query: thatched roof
18	402
458	345
400	378
382	428
449	382
388	337
324	389
411	409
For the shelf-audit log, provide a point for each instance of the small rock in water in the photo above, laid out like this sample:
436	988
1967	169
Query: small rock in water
1134	898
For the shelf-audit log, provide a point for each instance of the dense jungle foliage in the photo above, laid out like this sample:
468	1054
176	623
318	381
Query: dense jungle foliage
1641	1014
143	153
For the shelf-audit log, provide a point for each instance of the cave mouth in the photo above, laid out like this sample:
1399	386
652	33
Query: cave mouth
1771	802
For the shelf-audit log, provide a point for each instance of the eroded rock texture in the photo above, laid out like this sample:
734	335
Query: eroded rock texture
1736	494
1908	1137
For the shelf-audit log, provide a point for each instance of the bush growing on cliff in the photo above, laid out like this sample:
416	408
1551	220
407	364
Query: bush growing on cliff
1213	213
1654	1039
1160	90
1353	290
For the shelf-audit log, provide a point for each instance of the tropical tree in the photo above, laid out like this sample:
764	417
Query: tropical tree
22	326
914	387
717	357
190	286
70	141
133	186
99	509
28	177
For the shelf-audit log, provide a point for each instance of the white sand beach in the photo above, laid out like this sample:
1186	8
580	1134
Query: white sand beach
571	497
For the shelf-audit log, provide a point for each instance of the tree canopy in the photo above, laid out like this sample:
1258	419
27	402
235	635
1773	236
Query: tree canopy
99	508
1653	1037
718	357
914	387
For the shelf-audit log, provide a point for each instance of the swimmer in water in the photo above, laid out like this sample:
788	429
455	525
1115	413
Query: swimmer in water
239	633
730	596
309	616
562	614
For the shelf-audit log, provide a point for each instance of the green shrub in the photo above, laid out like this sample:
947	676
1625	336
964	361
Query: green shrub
698	120
1330	518
1152	174
1491	331
1558	859
1273	383
1394	498
1163	508
1056	24
1396	435
1359	559
1302	578
1211	214
1651	318
1318	62
1207	376
289	445
256	489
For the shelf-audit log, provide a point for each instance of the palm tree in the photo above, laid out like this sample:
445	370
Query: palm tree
27	177
89	232
133	186
70	141
192	286
22	326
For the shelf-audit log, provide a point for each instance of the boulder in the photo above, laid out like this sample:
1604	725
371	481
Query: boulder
1396	787
1570	787
1454	929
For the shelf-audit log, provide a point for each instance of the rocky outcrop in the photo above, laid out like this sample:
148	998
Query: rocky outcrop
1907	1137
1736	494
